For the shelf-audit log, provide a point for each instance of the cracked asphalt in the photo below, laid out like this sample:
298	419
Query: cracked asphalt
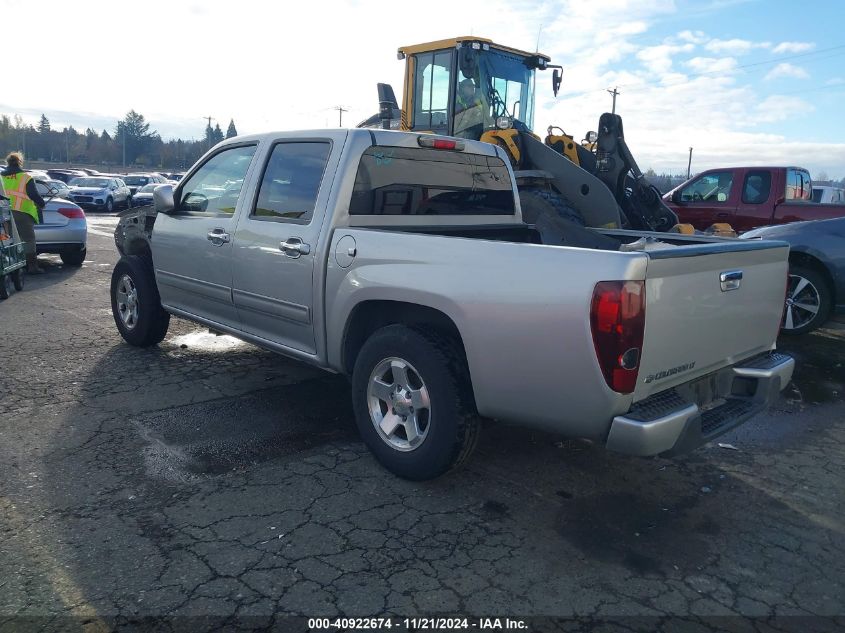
206	477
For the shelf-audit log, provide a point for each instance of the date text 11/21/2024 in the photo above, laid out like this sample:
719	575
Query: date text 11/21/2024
416	624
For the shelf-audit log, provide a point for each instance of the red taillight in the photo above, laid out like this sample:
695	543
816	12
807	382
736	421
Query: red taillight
435	142
617	319
71	213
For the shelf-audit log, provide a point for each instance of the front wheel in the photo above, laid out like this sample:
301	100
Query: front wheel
5	286
808	301
18	279
135	302
109	205
412	400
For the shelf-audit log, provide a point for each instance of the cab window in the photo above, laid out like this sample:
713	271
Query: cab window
713	188
431	90
756	188
798	186
214	188
291	181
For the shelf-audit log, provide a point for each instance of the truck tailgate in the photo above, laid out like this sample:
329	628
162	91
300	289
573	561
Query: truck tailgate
697	323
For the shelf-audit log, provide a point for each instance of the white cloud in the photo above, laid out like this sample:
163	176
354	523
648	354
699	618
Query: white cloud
835	81
787	70
693	37
659	59
792	47
734	46
781	107
711	65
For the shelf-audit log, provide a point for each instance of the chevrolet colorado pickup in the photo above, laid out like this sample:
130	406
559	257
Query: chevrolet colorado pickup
749	197
402	261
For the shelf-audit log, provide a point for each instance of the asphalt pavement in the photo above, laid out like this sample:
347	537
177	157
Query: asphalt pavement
208	478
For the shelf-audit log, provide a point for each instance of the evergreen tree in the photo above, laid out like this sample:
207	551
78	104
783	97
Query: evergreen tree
231	131
217	134
43	125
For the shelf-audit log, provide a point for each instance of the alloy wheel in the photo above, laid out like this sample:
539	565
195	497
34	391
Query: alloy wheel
399	404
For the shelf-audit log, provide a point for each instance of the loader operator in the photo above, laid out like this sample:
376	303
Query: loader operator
27	206
469	115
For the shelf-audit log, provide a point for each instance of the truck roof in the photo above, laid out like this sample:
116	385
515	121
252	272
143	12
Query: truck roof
376	137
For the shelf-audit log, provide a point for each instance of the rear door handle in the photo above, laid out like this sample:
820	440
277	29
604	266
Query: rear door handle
218	237
294	247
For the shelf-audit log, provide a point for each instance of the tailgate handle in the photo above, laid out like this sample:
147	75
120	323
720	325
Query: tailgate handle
730	280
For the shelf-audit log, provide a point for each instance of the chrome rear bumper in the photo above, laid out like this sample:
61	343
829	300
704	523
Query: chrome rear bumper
673	422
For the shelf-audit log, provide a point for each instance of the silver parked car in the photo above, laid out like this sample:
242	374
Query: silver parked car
136	181
100	193
63	232
144	195
52	189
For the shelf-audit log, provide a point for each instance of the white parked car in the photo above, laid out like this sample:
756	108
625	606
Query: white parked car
828	195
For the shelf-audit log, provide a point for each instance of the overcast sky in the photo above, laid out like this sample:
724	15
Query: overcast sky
741	81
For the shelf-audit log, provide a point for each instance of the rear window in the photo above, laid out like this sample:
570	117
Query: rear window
410	181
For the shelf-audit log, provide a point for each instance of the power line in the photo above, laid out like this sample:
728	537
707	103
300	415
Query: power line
687	79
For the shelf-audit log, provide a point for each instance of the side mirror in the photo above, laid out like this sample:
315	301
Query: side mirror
676	196
557	78
163	199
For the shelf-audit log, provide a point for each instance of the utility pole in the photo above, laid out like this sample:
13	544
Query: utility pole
67	146
124	143
340	110
614	92
208	130
689	164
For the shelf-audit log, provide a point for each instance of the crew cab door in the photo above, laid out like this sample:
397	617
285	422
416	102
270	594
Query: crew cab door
192	245
275	244
708	199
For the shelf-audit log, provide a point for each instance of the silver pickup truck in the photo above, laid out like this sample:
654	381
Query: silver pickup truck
403	261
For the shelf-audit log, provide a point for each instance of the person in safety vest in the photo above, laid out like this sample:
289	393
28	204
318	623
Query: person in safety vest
27	206
467	96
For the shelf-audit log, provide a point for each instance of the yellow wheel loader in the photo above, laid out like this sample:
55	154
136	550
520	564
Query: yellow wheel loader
471	87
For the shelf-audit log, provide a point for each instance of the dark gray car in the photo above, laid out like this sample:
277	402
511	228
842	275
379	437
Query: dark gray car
816	288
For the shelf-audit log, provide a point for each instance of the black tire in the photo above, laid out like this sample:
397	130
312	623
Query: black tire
18	279
815	293
451	433
5	286
147	324
73	258
109	204
537	202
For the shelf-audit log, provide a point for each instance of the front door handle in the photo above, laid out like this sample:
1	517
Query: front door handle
294	247
218	237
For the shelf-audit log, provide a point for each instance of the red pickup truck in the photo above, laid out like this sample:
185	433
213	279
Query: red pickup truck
748	197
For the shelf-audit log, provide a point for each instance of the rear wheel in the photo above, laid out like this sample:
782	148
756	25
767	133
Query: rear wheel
808	301
73	258
5	286
136	305
412	402
18	279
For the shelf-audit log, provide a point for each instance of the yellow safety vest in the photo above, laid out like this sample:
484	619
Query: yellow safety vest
15	186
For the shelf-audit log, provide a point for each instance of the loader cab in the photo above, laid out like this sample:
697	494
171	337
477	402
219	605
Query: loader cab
467	86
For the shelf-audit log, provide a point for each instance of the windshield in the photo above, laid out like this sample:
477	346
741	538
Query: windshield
136	180
90	182
494	84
